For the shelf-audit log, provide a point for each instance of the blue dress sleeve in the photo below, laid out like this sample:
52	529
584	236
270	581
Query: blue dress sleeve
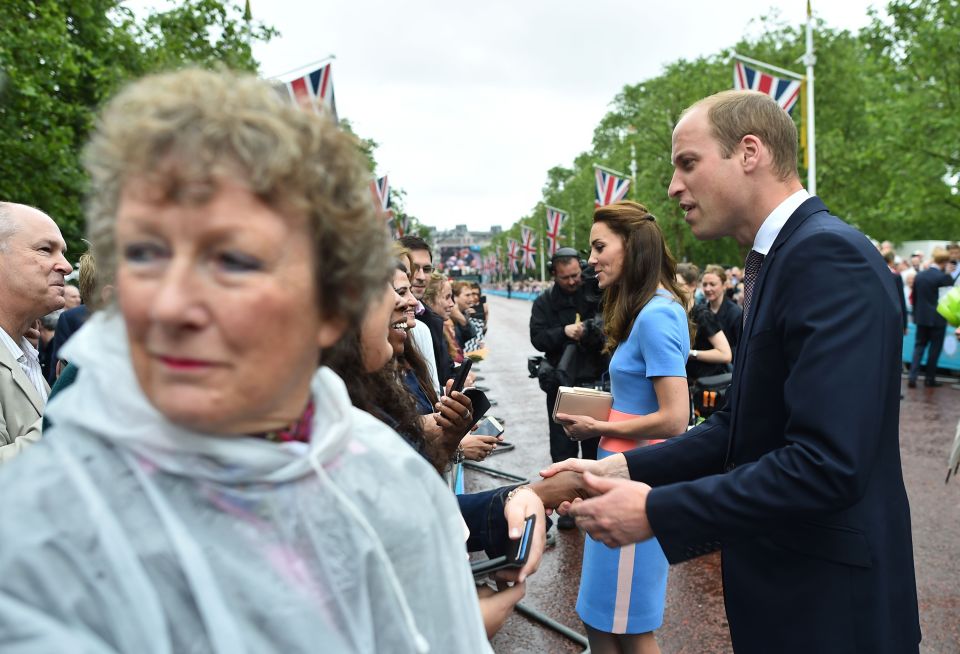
664	338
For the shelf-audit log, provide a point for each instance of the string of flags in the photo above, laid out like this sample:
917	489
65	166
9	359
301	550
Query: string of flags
785	91
611	186
529	249
555	220
512	255
312	91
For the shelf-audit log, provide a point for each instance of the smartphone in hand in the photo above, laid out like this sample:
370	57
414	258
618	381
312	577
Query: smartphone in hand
489	426
516	556
461	377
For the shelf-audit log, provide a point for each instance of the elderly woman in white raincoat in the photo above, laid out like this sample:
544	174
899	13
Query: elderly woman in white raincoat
205	488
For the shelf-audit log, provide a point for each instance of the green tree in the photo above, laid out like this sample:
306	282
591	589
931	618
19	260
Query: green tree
917	124
62	60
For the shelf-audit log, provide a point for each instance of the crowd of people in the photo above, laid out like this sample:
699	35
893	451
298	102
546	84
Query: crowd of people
252	442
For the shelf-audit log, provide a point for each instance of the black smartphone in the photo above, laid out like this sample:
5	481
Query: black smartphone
480	404
516	556
461	377
520	548
489	426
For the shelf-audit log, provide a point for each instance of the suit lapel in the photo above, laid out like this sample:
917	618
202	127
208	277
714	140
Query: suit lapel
21	379
809	207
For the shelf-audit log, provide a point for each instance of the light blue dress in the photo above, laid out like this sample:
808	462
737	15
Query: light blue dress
622	590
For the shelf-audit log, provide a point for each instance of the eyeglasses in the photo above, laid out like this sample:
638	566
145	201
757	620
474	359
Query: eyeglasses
427	269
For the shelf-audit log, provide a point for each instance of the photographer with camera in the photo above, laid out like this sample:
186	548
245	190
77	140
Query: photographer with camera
564	326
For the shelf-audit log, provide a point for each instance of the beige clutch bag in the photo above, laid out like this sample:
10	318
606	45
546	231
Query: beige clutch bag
582	402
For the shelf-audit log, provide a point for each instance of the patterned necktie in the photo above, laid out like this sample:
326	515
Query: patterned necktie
751	268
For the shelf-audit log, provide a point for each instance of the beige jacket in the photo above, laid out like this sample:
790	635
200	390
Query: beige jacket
21	408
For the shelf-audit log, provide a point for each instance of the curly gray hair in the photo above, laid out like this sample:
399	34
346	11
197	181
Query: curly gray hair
192	127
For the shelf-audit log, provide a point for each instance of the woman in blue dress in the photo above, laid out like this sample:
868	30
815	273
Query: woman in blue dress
622	590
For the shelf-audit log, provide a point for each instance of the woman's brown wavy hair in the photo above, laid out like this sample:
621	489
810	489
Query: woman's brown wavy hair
647	265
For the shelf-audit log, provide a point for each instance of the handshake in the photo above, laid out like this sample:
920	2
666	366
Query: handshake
600	495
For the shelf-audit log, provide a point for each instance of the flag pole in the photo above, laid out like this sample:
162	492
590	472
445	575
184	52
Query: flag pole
810	60
543	263
770	67
311	66
610	170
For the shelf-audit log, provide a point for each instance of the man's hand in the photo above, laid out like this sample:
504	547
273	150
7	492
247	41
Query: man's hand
574	331
33	333
560	487
580	427
611	466
616	518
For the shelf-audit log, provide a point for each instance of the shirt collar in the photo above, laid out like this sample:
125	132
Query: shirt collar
16	349
771	227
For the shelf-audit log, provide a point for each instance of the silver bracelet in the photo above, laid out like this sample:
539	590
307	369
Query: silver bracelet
514	492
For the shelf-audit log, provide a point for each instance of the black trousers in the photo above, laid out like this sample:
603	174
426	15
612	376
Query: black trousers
932	336
563	447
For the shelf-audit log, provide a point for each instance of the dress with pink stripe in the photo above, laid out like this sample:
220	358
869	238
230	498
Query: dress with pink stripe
622	590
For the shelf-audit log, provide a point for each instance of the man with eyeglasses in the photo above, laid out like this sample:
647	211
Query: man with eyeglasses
560	318
422	259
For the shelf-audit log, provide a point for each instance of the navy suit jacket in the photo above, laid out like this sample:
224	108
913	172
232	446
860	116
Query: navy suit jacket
926	294
798	479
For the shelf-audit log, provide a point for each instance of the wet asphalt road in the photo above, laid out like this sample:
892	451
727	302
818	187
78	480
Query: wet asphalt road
694	620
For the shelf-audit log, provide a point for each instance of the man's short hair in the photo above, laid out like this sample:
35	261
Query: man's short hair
413	242
50	320
735	114
889	256
689	272
8	226
940	256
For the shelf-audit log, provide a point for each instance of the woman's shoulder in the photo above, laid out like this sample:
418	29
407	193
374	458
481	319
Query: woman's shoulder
729	307
662	307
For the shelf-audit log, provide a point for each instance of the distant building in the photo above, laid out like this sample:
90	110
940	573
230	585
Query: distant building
457	250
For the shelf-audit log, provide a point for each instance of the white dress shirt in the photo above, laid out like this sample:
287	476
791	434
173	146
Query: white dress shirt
773	223
29	360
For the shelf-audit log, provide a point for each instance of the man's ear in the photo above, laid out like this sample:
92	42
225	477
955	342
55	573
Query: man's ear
330	331
750	152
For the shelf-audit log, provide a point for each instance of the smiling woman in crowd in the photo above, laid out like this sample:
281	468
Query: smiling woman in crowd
206	487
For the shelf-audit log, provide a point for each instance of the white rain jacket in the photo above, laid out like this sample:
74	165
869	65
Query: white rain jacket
121	532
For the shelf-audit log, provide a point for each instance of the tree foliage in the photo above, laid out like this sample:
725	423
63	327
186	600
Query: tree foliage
887	130
60	61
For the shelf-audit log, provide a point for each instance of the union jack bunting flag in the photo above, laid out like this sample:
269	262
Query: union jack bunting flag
313	90
499	260
610	188
514	246
529	249
400	226
785	91
380	190
555	219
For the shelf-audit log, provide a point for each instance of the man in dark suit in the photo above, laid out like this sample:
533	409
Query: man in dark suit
798	479
930	324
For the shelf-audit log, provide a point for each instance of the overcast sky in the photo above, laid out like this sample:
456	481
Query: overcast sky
472	103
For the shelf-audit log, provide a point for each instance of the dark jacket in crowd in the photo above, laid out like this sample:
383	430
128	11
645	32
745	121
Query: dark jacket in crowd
69	322
551	312
440	350
926	294
730	317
